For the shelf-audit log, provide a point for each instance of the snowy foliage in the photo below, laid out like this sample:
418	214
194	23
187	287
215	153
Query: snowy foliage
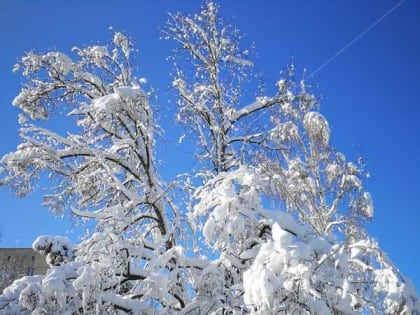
272	221
57	249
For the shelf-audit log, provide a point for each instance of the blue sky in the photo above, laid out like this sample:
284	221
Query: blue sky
370	92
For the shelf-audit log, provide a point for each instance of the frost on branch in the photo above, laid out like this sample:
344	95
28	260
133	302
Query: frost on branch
271	221
209	97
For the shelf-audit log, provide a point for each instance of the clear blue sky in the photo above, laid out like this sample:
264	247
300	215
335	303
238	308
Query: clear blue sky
371	92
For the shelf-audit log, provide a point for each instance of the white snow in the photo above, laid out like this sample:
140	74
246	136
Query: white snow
317	127
107	103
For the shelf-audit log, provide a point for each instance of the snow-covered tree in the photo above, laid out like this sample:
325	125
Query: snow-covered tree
103	171
271	222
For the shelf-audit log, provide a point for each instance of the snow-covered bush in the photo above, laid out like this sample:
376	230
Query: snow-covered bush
57	249
272	221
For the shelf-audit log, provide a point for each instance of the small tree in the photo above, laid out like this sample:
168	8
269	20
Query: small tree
310	254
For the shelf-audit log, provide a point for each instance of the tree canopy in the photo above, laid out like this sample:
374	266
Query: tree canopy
271	221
